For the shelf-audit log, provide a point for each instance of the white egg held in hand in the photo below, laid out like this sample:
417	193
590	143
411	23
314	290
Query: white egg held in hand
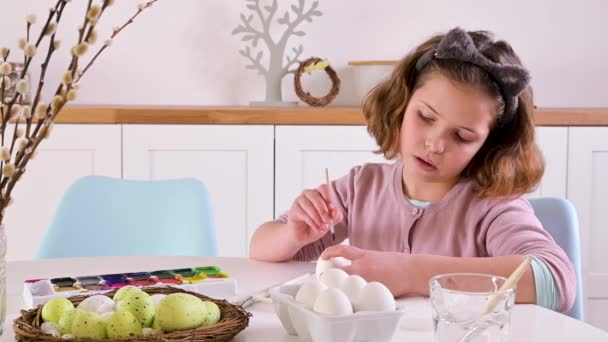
324	265
333	302
333	278
375	297
308	293
352	285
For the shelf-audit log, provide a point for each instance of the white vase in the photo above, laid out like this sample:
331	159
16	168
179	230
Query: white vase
2	277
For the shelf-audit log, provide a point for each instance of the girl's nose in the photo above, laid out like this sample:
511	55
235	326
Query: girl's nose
435	144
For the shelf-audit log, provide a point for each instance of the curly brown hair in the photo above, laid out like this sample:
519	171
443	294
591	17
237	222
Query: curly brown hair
509	162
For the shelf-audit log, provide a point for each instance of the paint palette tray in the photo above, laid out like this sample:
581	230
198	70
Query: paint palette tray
207	280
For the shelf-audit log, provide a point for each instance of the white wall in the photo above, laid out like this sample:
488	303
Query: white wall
182	51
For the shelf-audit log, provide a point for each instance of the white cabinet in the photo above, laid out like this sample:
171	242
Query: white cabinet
234	162
303	152
553	143
588	190
70	152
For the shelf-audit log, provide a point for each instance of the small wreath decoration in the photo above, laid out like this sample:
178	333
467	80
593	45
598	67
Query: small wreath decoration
313	64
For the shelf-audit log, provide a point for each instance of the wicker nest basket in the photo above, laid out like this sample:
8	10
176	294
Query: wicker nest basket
233	320
305	95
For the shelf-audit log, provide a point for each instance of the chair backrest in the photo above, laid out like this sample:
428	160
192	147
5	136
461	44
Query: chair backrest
559	218
103	216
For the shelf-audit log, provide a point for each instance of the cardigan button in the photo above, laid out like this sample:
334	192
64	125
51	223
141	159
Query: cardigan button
415	211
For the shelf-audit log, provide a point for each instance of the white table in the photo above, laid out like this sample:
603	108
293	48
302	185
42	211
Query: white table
529	322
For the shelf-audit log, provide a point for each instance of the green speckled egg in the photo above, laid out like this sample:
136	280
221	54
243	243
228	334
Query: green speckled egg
124	291
123	324
213	312
140	305
180	311
54	308
65	322
88	324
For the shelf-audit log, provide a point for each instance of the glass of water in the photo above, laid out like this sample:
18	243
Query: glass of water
459	302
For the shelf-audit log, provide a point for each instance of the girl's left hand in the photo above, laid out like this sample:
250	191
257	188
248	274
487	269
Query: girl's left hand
388	268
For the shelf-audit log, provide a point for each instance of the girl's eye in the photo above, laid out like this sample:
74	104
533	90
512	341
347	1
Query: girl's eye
461	139
425	118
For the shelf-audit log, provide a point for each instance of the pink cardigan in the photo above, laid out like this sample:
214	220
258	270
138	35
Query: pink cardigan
377	216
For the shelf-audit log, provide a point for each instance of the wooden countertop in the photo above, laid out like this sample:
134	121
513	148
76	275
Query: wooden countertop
281	116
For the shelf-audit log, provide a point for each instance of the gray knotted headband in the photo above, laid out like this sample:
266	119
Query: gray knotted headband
457	44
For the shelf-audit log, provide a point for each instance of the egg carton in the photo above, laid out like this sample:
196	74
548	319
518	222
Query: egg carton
218	288
311	326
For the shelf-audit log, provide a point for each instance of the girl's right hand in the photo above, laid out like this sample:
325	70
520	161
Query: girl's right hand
308	217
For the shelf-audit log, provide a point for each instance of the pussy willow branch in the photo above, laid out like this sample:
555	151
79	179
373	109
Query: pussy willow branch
58	10
43	68
114	34
73	66
59	6
2	97
74	62
24	156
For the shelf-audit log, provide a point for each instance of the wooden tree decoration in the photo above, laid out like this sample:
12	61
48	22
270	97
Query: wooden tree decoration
276	69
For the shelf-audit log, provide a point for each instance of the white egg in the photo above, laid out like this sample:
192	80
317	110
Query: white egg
156	298
93	303
333	278
375	297
333	302
107	307
106	315
352	285
309	291
50	328
324	265
148	332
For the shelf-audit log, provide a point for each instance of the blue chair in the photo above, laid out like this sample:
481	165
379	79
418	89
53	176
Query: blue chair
103	216
559	218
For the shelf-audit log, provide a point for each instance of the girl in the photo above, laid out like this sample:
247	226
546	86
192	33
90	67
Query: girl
457	114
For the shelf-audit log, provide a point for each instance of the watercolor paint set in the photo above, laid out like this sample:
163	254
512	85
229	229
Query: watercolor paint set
207	280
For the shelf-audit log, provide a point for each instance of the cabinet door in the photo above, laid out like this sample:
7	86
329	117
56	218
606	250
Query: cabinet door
588	190
303	153
234	162
553	142
71	152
